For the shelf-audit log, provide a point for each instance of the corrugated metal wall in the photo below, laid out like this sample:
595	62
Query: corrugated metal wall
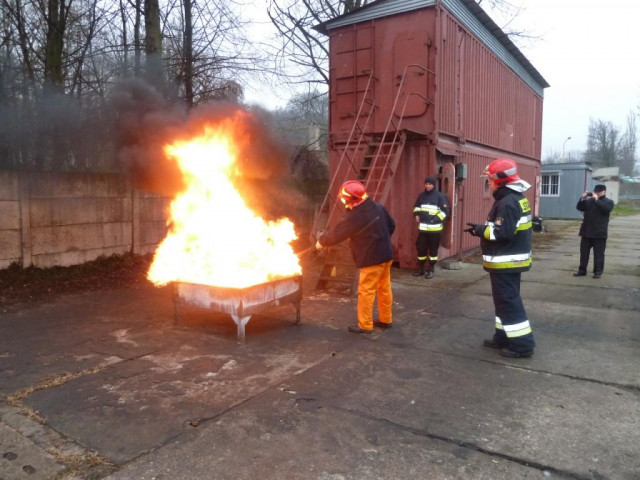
573	179
417	164
384	47
480	99
482	110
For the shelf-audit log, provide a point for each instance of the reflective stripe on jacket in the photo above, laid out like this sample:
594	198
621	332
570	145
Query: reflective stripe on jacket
506	244
432	208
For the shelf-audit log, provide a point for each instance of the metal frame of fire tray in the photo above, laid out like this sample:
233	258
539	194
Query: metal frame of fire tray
240	303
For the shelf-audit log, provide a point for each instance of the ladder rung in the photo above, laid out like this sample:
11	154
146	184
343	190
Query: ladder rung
374	167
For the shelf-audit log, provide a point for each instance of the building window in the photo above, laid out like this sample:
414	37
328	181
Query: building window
550	185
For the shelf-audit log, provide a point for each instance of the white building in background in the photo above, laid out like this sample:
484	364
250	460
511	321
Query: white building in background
610	177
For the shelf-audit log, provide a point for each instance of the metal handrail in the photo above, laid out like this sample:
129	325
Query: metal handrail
344	155
397	129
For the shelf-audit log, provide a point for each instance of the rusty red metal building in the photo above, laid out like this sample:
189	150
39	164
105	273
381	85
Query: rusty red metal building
429	87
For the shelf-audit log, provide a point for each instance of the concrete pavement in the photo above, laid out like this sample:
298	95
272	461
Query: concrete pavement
104	385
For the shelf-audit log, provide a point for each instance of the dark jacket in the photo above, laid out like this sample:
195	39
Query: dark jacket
432	208
369	228
506	244
595	223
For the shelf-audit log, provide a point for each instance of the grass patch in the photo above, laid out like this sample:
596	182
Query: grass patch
626	207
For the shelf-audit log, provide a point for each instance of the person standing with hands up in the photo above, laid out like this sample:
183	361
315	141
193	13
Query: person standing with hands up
595	225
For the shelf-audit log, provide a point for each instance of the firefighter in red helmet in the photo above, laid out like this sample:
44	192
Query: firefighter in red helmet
505	239
368	226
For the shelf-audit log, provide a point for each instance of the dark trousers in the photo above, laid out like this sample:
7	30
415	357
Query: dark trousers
510	312
598	245
427	245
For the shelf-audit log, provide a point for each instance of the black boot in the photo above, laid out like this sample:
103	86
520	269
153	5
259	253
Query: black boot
419	272
432	267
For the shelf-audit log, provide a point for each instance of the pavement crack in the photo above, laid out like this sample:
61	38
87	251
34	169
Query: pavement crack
564	474
16	399
622	386
58	379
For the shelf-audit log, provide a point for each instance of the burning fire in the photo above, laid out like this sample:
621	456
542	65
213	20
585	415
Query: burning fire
214	238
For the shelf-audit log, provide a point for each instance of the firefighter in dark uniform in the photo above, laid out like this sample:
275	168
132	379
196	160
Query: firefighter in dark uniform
368	226
430	210
505	239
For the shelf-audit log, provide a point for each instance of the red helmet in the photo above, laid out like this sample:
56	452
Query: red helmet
352	193
502	171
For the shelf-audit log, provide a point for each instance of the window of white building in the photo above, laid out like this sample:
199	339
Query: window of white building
550	185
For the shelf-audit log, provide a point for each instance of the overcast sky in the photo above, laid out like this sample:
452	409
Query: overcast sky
587	50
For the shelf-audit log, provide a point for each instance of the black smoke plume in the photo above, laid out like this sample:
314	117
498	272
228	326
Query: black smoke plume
146	121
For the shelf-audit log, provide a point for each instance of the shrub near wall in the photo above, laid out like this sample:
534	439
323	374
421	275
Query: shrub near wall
60	219
10	238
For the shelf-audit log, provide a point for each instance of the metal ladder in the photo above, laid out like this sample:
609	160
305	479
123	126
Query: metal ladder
375	169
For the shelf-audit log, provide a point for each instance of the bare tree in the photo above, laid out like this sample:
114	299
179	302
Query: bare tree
603	144
300	43
61	59
309	108
56	20
188	53
505	13
153	37
208	54
628	146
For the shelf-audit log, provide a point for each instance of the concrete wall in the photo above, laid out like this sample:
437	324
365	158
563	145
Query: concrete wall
61	219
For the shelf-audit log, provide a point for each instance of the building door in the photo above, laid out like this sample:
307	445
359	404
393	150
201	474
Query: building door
448	187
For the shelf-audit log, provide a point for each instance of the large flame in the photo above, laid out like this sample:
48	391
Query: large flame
214	238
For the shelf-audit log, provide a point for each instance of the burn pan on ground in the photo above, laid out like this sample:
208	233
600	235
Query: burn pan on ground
240	303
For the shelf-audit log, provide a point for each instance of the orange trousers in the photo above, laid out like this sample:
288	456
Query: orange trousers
375	279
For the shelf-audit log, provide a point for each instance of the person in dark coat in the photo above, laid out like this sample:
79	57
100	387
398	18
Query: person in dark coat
505	239
430	210
368	226
594	229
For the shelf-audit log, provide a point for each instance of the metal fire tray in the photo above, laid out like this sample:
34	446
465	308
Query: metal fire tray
240	303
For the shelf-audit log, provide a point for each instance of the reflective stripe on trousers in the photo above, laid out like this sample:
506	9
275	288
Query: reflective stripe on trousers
375	279
515	330
512	324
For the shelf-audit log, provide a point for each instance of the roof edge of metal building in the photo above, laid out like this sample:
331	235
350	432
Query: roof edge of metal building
470	14
557	166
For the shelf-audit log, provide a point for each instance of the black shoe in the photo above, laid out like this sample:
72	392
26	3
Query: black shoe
429	274
506	352
597	275
418	273
357	329
492	344
580	274
379	324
